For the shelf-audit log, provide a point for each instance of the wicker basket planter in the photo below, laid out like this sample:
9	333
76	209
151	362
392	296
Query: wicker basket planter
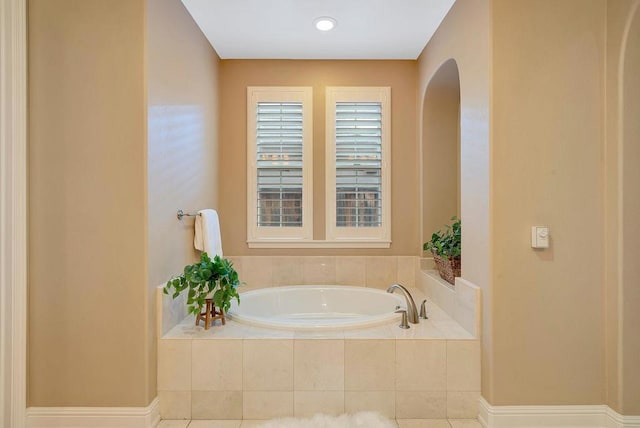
449	268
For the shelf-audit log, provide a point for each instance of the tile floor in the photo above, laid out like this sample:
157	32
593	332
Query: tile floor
402	423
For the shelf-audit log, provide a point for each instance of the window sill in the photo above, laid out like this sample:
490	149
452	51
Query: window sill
351	243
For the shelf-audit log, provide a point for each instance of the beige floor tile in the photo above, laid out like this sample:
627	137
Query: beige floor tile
216	424
423	423
369	365
267	365
318	365
465	423
421	405
421	365
308	403
463	365
267	405
216	405
462	405
172	423
251	424
373	401
217	365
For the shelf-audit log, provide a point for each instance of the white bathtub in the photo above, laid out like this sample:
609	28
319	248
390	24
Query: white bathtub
316	307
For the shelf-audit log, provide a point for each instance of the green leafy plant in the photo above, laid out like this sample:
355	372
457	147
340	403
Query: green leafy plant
446	244
207	276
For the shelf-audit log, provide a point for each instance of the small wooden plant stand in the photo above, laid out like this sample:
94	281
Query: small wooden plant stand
210	314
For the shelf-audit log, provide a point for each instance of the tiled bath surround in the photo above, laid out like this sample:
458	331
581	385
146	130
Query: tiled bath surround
461	302
242	372
267	271
208	375
372	271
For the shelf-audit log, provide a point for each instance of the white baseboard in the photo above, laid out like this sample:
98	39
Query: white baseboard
94	417
596	416
616	420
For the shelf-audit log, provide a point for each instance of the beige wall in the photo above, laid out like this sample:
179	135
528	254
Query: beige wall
182	95
464	36
236	75
440	150
547	141
622	206
87	225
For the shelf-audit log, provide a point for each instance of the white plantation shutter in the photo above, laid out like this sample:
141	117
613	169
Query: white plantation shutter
358	158
279	146
279	165
358	183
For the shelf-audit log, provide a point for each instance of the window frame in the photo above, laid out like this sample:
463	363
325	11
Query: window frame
374	236
258	236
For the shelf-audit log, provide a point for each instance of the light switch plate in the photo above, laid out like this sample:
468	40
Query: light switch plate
539	237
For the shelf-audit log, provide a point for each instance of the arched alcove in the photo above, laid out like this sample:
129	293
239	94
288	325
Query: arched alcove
441	149
630	233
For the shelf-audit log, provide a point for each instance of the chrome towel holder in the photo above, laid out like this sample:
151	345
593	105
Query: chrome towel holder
181	214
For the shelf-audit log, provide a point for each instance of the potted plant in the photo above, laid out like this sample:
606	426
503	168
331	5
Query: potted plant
215	279
446	247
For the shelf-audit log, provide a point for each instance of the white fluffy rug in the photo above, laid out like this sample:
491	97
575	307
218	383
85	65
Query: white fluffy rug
357	420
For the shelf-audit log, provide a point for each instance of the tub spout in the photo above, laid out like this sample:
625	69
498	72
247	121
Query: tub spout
412	312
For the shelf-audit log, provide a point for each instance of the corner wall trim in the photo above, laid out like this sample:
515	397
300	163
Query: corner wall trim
596	416
13	212
102	417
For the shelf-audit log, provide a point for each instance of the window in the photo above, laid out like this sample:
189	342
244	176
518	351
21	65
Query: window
279	151
279	168
357	159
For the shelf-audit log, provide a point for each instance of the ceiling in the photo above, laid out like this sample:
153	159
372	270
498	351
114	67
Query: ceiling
283	29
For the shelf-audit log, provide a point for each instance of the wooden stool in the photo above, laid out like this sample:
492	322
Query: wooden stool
210	314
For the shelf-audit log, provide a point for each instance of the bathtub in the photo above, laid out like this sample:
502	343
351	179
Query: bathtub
316	307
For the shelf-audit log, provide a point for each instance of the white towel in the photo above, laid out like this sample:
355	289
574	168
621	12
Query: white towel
207	236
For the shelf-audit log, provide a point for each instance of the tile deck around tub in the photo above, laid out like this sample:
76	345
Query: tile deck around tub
239	371
438	326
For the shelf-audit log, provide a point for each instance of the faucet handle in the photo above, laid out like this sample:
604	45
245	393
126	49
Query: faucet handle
403	323
423	310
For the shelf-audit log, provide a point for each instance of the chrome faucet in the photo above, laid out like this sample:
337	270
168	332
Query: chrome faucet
412	312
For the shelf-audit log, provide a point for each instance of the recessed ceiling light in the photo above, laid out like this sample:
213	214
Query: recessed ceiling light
324	23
